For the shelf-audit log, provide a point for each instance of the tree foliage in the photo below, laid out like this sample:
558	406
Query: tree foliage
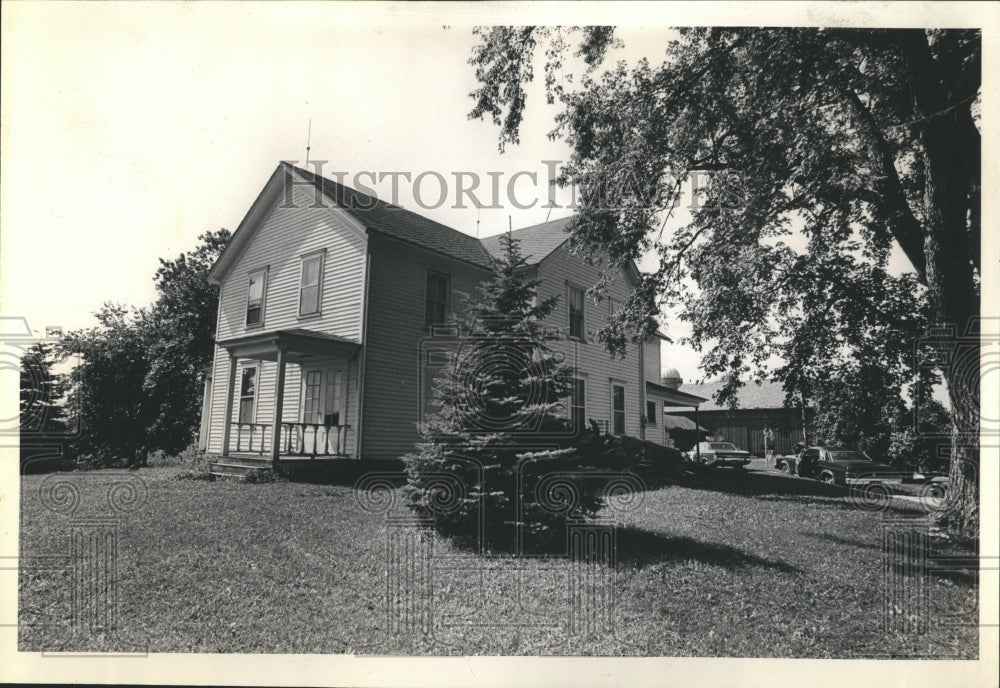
814	153
42	393
183	320
138	386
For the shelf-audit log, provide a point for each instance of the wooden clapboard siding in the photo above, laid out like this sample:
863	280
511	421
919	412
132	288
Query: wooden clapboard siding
284	235
652	360
393	340
556	272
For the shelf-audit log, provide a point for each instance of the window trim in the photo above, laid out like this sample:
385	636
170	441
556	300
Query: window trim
239	407
448	296
263	297
569	312
611	406
321	255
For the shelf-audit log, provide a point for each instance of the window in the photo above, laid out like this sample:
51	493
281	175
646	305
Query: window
310	288
437	297
334	390
578	404
617	409
612	307
651	412
576	312
311	410
255	298
248	393
322	394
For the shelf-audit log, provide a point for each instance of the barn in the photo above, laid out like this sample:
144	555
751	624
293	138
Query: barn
760	415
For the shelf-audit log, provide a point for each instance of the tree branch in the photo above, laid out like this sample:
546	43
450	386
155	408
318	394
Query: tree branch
903	225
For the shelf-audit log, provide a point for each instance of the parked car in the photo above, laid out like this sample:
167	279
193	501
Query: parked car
836	465
717	453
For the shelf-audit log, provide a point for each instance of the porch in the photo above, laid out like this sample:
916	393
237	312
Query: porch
302	421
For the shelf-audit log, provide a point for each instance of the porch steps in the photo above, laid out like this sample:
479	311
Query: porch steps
229	470
237	466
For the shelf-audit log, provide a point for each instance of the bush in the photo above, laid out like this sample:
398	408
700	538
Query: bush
653	463
259	475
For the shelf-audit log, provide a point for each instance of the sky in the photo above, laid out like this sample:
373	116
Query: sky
129	129
123	144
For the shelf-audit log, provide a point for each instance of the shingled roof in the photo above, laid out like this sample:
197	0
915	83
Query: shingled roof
537	241
752	395
399	223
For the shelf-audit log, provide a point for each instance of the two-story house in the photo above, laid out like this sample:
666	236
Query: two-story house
328	297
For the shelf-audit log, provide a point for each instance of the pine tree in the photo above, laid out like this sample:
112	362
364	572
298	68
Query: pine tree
477	470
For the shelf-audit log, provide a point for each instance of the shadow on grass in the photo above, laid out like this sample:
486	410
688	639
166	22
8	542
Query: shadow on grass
848	542
640	548
948	560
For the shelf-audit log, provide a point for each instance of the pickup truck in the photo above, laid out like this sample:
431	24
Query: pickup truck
715	453
839	466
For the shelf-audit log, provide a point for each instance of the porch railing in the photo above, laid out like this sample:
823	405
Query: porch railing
297	439
313	439
252	437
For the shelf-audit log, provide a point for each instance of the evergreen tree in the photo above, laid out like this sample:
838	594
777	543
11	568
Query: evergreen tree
42	393
477	470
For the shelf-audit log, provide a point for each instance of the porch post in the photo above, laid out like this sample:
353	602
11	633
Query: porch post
230	391
279	398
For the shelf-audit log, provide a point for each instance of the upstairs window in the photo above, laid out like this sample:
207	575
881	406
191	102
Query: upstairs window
310	287
437	296
255	298
576	313
651	412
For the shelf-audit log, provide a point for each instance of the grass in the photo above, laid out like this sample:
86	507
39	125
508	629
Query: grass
754	565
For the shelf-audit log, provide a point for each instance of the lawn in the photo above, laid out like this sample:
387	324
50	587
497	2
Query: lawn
752	565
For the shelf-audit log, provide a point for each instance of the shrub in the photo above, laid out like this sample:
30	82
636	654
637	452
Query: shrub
259	475
653	463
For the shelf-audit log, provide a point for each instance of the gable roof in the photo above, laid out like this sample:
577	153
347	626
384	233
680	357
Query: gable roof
752	395
399	223
375	215
537	241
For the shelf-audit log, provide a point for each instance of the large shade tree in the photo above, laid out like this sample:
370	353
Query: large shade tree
816	155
